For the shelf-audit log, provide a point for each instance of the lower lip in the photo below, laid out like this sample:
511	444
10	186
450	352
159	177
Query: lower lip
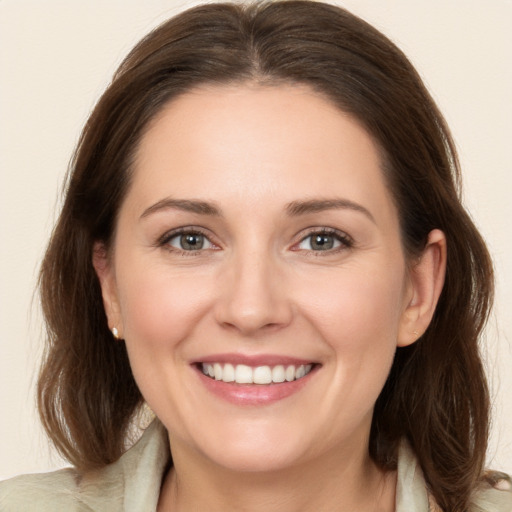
254	394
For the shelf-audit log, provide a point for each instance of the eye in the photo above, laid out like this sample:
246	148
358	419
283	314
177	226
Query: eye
188	241
324	241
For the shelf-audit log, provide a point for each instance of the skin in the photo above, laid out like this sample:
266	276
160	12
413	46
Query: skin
259	287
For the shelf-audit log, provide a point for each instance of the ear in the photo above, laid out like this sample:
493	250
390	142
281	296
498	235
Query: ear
426	280
104	270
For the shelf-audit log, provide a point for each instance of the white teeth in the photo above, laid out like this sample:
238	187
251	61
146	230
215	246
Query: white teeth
290	373
262	375
278	374
228	374
243	374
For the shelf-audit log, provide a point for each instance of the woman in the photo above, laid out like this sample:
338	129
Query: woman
262	240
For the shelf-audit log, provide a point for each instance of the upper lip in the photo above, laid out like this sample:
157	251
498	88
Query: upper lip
253	359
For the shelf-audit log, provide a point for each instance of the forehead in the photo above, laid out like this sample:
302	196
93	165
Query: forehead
257	143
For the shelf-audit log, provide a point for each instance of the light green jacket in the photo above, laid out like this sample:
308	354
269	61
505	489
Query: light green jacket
132	484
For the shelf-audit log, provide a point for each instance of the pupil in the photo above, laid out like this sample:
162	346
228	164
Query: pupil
322	242
192	241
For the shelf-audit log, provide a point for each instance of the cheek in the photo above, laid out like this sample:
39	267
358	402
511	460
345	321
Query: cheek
159	308
355	308
357	316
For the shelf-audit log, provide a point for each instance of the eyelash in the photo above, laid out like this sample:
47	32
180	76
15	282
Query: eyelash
167	237
346	242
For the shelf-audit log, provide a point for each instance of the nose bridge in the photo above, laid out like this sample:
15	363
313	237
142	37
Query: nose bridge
254	296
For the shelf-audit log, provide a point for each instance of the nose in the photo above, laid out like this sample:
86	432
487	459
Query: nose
253	297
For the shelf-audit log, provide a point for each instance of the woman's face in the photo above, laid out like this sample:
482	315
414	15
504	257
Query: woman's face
258	241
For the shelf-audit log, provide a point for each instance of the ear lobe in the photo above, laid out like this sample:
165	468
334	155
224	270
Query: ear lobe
426	280
104	270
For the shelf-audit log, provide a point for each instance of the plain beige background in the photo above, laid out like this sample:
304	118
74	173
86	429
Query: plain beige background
56	57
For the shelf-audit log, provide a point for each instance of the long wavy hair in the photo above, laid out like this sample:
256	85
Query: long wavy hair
436	395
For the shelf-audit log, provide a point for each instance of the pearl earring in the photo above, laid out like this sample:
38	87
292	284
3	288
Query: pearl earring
115	333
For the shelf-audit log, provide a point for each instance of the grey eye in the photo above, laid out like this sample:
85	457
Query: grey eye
320	242
190	242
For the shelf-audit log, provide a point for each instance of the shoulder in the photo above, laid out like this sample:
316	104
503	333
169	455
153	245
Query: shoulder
41	492
135	478
494	494
67	490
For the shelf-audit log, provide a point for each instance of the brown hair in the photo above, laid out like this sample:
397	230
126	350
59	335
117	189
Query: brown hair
436	395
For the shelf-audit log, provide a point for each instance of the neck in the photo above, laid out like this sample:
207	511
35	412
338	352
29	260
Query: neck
322	485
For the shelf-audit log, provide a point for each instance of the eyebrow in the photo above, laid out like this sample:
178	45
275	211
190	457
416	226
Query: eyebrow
297	208
293	209
187	205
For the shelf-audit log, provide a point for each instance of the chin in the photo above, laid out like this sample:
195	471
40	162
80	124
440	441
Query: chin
257	448
256	458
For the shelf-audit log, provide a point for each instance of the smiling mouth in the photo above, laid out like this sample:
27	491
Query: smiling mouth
243	374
